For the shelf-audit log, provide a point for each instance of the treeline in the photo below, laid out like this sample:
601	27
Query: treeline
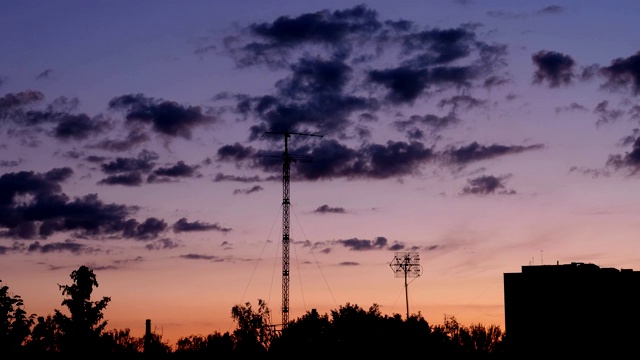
349	329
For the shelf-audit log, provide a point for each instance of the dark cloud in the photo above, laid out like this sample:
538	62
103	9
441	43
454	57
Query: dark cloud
78	127
162	244
134	138
57	118
349	263
235	152
394	159
16	247
404	84
58	174
461	102
147	230
606	115
271	43
166	117
183	225
32	205
325	209
58	247
487	184
248	191
593	173
144	162
432	123
623	73
315	76
334	73
10	163
322	113
179	170
379	243
200	257
553	67
13	101
45	74
571	107
476	152
629	162
223	177
634	113
552	9
133	178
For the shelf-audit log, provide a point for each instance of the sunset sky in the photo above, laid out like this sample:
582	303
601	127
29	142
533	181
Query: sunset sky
483	135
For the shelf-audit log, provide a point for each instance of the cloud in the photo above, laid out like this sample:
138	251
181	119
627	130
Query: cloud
326	209
133	178
45	74
162	244
552	9
223	177
166	117
13	101
200	257
134	138
179	170
334	73
235	152
629	162
476	152
379	243
147	230
248	191
605	114
183	225
334	160
487	184
430	122
33	206
553	67
58	247
571	107
623	73
56	119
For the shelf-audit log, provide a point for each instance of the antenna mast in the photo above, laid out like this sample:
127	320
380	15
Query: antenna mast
286	203
406	264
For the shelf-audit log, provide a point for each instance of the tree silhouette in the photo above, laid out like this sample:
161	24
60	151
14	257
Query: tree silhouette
253	334
81	332
349	329
15	325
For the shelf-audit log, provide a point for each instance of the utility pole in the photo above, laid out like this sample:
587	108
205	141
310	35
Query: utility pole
286	204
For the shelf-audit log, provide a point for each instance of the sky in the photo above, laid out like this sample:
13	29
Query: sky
141	139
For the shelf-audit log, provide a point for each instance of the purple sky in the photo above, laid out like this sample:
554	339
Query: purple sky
484	136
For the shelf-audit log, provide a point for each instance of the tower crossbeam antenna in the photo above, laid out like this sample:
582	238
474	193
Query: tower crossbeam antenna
286	204
406	264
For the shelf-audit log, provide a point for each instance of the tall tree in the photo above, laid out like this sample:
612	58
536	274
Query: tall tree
15	324
81	331
253	334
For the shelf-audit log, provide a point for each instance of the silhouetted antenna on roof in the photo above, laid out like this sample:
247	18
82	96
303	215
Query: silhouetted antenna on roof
406	264
286	177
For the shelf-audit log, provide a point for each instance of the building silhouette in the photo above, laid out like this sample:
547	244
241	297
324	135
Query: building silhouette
572	309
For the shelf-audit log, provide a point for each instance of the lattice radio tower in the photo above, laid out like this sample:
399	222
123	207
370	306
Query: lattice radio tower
286	177
406	264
